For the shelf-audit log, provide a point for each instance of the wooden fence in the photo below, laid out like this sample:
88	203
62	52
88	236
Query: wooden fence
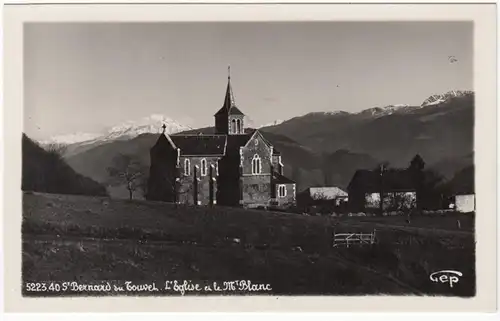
350	239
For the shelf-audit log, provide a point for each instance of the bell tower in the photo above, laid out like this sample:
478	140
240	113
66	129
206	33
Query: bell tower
229	120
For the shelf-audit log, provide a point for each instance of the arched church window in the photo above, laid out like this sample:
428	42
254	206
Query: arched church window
238	126
256	165
281	190
203	167
233	126
187	167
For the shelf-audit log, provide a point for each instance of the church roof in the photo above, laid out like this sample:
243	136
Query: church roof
200	145
234	142
275	151
281	179
229	106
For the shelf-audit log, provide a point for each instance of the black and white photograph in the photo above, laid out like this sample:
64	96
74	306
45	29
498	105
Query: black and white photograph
249	158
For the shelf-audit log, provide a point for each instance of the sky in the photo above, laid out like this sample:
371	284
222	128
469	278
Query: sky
85	77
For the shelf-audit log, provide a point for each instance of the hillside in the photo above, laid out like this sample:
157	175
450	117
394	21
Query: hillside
340	166
46	171
92	238
462	182
437	131
450	166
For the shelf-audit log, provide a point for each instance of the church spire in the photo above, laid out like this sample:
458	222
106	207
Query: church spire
229	106
229	98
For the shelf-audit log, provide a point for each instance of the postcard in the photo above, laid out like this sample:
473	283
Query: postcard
245	157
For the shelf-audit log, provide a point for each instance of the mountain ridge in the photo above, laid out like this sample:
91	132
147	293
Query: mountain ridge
128	129
153	122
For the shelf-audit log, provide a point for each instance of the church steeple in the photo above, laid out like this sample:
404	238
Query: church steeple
229	119
229	98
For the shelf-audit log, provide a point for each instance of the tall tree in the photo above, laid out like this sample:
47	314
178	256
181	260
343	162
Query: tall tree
128	170
416	169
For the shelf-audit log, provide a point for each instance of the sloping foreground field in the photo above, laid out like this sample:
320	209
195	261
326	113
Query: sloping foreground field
88	239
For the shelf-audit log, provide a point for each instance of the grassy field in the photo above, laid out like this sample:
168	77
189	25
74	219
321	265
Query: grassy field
80	238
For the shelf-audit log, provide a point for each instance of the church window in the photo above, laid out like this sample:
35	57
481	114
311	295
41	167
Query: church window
281	190
187	167
256	165
238	126
203	167
233	126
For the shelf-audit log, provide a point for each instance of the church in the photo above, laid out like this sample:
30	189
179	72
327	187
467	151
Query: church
234	166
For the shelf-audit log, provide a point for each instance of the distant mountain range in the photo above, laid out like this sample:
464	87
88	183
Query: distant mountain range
395	134
126	130
320	148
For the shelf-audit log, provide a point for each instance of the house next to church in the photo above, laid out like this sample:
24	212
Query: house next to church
234	166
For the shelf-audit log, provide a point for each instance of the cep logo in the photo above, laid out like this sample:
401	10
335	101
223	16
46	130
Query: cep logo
446	276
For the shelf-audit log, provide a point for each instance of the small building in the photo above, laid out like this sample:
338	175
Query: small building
283	194
320	197
465	203
395	184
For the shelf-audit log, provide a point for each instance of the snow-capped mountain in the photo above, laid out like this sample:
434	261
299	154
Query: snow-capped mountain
126	130
441	98
274	123
388	110
70	138
150	124
329	113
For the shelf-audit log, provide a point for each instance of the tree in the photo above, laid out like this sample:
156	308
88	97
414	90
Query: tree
126	169
416	169
400	201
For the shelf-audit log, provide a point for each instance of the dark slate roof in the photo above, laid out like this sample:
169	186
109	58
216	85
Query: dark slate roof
393	180
234	142
275	151
233	110
200	144
161	142
280	179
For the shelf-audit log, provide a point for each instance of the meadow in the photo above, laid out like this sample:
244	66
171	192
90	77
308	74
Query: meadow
85	238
